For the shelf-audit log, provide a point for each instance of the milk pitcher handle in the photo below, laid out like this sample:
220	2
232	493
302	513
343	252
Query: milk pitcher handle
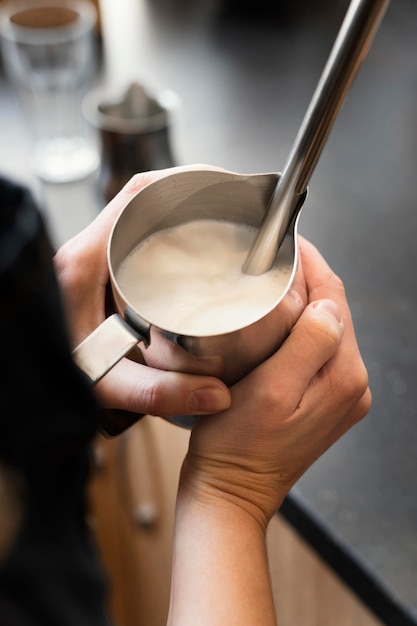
107	344
101	350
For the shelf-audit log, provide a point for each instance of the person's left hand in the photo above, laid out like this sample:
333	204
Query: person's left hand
83	273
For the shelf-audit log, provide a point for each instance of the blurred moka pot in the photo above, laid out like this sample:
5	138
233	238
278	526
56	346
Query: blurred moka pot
134	127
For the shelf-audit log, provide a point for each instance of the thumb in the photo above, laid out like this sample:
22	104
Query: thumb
316	335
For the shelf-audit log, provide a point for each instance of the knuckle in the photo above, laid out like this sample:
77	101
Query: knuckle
275	397
338	284
357	382
151	399
353	388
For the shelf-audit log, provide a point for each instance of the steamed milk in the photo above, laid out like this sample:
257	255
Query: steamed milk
188	279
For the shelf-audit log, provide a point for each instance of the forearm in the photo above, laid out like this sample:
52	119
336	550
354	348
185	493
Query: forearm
220	568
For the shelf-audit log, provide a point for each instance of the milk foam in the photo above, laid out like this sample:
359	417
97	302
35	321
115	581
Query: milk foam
188	279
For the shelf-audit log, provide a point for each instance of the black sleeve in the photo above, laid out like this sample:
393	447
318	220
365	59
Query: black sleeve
49	569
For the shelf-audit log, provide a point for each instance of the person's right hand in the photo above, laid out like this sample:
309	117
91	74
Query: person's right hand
241	463
289	410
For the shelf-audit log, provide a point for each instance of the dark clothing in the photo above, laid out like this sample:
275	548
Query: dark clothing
50	574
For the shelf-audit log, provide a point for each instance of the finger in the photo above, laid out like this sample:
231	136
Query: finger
322	282
313	340
141	389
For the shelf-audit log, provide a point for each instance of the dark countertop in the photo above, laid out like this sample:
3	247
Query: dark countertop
245	81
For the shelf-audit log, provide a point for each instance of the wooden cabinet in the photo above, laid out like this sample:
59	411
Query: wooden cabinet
133	493
306	591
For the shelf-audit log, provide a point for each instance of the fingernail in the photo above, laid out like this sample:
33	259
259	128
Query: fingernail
210	400
330	307
295	296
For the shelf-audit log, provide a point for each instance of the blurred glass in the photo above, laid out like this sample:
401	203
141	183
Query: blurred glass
49	54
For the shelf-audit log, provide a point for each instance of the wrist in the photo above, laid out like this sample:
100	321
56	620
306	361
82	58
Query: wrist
227	491
220	566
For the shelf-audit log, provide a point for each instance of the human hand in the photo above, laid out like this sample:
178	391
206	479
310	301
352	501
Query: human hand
286	412
83	273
